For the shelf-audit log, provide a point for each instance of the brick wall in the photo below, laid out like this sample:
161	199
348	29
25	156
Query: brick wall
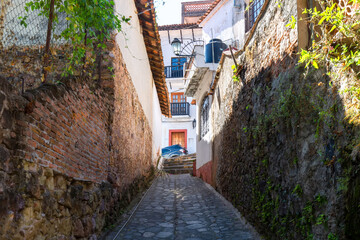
68	131
72	155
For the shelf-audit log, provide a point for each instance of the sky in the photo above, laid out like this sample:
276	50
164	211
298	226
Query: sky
169	11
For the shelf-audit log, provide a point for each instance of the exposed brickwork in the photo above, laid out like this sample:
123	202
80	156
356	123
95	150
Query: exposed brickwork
67	130
71	155
131	133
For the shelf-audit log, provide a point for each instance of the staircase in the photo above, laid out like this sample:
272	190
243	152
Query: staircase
179	165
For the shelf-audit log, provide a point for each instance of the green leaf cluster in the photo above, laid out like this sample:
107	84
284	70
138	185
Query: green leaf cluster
89	23
335	36
235	76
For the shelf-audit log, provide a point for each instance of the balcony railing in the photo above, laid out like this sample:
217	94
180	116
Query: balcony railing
174	71
178	109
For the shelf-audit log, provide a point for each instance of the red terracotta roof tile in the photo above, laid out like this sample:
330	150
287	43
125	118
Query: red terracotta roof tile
213	5
151	36
199	6
178	26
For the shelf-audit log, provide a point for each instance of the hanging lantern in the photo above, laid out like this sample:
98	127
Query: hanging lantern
176	45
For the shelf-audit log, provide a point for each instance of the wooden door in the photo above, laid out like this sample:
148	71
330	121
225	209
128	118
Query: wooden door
178	138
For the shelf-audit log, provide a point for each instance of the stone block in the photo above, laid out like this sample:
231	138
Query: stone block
78	228
4	158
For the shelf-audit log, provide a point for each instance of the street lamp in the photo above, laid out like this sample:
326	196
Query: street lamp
194	123
185	49
176	45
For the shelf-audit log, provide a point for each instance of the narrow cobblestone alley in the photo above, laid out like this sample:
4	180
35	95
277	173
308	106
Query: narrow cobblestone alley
183	207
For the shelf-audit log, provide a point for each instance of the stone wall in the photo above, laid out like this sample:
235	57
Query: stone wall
71	155
284	146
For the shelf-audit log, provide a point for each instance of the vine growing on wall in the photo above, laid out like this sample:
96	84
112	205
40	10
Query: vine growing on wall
89	23
335	34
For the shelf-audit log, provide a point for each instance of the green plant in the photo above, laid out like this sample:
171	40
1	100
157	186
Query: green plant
332	236
335	34
265	162
297	190
321	219
343	183
320	199
295	160
235	76
89	24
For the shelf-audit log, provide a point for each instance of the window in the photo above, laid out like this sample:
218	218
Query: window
177	66
252	13
178	98
204	117
179	106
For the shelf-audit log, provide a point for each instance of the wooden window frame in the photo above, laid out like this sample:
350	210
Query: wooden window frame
177	93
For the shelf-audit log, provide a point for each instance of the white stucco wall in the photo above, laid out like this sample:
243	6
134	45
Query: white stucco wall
225	22
156	127
178	85
180	122
185	124
131	43
203	145
166	45
132	46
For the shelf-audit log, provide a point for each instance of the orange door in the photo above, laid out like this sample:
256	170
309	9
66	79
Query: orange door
178	138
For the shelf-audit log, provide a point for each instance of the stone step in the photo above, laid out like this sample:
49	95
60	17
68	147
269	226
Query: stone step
178	161
177	164
178	167
180	164
179	171
184	157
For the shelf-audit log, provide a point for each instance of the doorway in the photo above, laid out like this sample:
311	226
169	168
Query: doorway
178	137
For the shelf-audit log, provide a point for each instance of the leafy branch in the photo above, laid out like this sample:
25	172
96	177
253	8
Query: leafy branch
89	23
335	35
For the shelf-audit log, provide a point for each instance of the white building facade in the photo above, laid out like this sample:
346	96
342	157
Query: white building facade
180	128
135	54
224	25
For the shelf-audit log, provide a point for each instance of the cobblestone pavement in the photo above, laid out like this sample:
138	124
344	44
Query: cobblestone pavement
182	207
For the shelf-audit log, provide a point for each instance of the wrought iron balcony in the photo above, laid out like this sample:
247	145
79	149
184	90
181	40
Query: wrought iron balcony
174	71
178	109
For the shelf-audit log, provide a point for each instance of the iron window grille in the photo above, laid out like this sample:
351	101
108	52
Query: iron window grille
252	13
204	117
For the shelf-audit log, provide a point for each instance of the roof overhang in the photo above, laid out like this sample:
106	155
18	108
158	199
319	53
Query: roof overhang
217	4
146	14
195	81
